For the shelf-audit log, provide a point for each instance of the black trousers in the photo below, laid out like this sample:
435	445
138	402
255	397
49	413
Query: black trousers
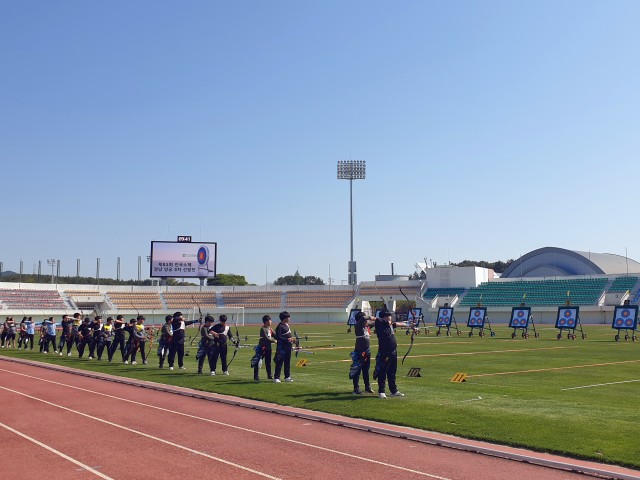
163	351
365	364
283	358
176	348
101	346
50	339
387	372
117	342
29	341
82	344
218	351
266	357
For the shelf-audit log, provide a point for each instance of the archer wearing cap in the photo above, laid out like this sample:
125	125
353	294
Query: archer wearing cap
387	357
284	339
263	350
362	353
178	325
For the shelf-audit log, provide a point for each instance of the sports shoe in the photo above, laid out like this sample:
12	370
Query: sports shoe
256	379
368	390
182	368
288	379
170	368
134	363
276	380
90	358
199	371
60	353
226	372
213	373
126	362
69	354
397	394
144	363
44	352
357	392
382	395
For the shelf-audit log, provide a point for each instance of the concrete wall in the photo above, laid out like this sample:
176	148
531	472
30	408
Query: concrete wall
457	277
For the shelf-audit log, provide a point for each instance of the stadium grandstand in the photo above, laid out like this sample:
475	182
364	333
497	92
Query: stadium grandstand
543	279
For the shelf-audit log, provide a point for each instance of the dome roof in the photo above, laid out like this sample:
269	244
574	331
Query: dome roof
553	261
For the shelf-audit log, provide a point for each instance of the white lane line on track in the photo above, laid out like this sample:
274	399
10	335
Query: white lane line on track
284	439
599	385
57	452
157	439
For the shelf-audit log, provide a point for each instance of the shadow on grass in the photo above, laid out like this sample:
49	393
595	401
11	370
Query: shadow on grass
332	396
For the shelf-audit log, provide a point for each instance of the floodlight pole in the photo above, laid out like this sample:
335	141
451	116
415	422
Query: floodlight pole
351	170
52	263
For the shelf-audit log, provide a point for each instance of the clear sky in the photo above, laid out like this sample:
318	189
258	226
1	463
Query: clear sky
490	129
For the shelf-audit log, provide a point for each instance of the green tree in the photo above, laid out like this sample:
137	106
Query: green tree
227	280
497	267
297	279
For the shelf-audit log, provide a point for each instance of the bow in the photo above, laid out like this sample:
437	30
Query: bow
151	333
414	330
237	340
296	345
199	322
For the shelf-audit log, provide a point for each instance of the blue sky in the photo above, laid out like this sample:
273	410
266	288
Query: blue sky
124	122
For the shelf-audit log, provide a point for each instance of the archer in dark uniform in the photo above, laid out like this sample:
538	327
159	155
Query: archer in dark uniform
387	357
362	353
263	350
207	339
164	344
104	338
118	337
220	349
132	342
66	337
285	340
96	333
178	325
84	336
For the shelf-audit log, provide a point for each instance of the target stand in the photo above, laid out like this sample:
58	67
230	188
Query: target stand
479	319
520	319
444	320
625	317
569	319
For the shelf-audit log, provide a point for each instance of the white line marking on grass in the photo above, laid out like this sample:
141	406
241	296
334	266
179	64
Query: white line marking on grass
552	368
460	354
57	452
600	385
284	439
131	430
471	400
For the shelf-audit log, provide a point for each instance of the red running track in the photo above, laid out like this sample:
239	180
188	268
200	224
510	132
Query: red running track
57	425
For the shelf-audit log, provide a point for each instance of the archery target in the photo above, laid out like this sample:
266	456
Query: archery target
444	316
625	317
520	317
476	317
203	255
567	317
352	316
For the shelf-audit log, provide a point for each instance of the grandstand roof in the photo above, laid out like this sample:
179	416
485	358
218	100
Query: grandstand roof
553	261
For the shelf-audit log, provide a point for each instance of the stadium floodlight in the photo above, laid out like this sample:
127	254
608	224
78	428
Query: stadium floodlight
52	263
352	170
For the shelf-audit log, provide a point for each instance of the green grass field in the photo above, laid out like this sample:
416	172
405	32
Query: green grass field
576	398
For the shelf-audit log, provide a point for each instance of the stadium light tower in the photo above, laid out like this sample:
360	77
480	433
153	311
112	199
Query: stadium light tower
352	170
52	263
